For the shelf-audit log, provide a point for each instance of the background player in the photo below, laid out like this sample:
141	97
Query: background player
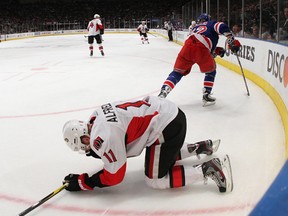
119	130
193	24
143	29
95	30
198	48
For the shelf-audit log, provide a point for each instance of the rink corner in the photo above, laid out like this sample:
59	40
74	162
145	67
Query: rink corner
275	200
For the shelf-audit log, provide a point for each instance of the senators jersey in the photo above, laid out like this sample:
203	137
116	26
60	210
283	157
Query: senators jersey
208	33
142	28
94	27
123	129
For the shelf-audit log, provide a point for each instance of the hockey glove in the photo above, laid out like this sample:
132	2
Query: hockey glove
233	45
77	182
92	153
220	51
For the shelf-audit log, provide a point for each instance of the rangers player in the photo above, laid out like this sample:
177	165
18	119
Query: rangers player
143	29
95	30
199	48
119	130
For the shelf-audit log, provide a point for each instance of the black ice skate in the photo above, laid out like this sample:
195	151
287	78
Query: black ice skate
208	99
220	172
91	52
102	52
207	147
164	91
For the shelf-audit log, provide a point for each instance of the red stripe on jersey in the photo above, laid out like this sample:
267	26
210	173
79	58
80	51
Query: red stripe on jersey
217	27
110	179
177	176
98	26
138	126
208	42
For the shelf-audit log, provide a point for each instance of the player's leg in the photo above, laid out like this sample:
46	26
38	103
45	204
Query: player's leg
218	169
182	67
90	42
207	65
146	37
206	147
161	171
162	155
169	174
142	37
173	78
99	42
170	35
207	98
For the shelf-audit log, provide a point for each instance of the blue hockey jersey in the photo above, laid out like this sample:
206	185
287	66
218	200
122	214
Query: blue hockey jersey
211	30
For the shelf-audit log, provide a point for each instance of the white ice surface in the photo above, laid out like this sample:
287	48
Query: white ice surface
46	81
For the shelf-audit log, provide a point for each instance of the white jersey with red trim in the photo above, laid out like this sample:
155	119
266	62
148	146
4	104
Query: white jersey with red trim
94	27
142	28
124	129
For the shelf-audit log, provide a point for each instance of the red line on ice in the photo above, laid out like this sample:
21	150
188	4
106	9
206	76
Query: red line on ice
66	208
61	112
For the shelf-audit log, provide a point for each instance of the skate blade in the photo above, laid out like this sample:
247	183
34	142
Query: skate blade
227	170
215	145
207	103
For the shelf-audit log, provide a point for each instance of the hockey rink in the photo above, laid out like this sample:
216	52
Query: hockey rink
47	81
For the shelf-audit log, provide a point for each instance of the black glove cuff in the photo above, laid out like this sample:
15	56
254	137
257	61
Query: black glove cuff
92	153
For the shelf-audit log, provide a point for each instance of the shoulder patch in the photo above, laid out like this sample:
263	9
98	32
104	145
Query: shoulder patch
97	143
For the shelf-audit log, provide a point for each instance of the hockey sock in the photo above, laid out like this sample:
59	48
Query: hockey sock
173	78
209	81
100	47
91	50
177	176
182	175
184	153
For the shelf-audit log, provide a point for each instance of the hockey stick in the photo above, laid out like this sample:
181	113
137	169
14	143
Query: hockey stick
248	93
151	34
40	202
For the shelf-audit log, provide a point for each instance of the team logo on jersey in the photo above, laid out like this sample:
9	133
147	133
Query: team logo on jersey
97	143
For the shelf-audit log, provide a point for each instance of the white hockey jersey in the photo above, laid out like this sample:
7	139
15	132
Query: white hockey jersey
94	27
193	24
142	28
123	129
